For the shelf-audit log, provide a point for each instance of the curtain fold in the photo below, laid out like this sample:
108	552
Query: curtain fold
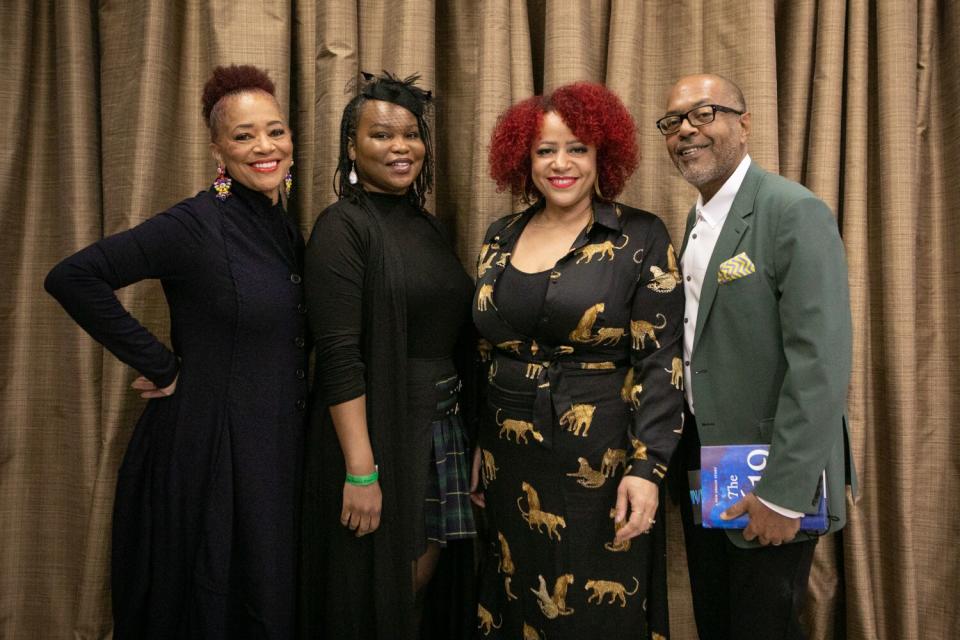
858	100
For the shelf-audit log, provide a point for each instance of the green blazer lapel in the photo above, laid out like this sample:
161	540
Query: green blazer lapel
734	229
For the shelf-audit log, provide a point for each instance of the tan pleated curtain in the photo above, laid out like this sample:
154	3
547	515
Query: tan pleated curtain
857	99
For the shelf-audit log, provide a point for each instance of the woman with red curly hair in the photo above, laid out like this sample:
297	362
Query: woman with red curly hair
580	306
204	522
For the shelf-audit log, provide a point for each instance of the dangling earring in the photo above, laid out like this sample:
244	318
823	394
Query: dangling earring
352	176
596	188
222	184
288	180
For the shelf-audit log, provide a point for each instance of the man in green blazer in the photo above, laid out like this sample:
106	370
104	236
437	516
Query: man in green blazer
767	342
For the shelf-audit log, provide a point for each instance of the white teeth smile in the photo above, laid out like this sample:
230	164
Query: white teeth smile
562	182
690	151
265	165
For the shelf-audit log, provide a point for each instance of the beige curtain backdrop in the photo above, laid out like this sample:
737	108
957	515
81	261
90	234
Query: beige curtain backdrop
859	100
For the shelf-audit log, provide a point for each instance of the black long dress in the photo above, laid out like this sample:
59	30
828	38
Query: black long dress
389	303
584	387
205	519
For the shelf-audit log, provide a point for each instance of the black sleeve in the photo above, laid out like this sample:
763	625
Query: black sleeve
334	267
657	365
163	247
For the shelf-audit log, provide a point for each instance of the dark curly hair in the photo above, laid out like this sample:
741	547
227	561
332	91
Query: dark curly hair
230	80
404	92
592	112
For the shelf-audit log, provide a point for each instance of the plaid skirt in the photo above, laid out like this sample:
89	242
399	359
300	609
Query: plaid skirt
448	513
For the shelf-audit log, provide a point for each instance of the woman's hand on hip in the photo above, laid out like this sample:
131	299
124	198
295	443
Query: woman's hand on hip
149	390
361	507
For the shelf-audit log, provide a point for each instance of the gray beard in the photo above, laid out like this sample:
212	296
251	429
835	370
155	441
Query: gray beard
699	176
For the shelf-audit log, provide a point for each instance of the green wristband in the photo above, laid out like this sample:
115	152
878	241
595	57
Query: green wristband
362	481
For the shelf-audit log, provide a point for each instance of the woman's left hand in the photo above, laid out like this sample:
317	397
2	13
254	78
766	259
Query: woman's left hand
642	496
150	390
476	493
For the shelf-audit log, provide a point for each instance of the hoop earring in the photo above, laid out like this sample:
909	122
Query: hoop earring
222	184
288	180
352	176
596	188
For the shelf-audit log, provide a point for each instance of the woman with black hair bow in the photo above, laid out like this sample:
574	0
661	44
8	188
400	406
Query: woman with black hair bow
388	303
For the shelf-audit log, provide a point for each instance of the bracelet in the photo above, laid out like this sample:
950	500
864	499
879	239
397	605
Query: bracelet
362	481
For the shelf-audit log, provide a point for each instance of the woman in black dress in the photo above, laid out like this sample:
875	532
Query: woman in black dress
204	524
388	303
580	306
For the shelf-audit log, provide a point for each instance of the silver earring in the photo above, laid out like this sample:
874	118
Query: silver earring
352	176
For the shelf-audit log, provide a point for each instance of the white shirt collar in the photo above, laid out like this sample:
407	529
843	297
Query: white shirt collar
715	211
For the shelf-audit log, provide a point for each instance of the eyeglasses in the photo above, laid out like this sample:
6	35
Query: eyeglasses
698	116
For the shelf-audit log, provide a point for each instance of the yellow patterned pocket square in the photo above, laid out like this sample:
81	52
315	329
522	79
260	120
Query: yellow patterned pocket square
738	266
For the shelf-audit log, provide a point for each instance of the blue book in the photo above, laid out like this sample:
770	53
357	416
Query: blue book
729	472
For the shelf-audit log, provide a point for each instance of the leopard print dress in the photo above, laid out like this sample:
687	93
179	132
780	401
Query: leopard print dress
583	387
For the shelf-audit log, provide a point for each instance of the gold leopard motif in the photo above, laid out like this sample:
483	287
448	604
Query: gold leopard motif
660	470
613	545
657	636
665	282
534	517
577	417
612	459
502	262
492	370
489	468
616	590
676	373
563	350
506	567
533	370
551	521
519	429
639	449
598	366
630	392
529	633
587	476
554	605
506	561
510	345
608	335
584	330
508	590
603	249
486	620
640	330
485	260
485	297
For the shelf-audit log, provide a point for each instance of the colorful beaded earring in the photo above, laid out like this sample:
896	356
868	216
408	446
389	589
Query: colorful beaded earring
352	176
222	184
288	180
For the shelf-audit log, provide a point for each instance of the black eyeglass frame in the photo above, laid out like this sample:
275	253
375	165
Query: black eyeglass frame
686	116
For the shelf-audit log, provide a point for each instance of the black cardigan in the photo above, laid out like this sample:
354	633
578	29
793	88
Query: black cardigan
374	568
